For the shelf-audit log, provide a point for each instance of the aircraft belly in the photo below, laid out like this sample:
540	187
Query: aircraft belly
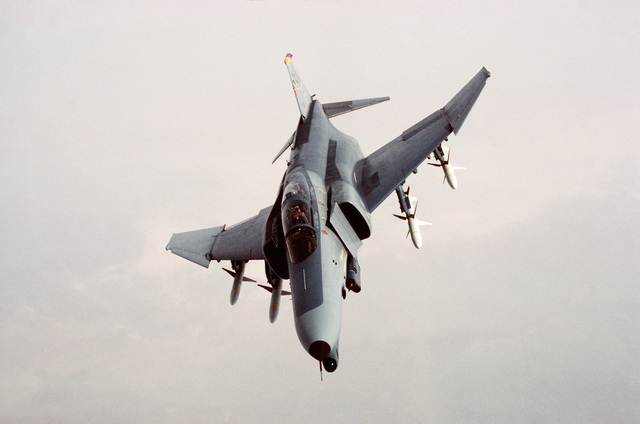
317	296
316	283
326	155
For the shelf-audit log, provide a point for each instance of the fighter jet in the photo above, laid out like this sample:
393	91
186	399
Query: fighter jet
322	212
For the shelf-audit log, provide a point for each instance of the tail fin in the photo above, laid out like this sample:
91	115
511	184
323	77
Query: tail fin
302	95
330	109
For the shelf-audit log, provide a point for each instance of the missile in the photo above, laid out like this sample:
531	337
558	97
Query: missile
414	230
414	224
449	174
276	295
409	206
238	266
275	287
238	278
235	289
447	168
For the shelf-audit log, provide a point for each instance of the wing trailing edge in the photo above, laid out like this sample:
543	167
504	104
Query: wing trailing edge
387	167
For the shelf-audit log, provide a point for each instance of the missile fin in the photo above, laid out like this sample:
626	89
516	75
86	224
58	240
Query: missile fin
233	274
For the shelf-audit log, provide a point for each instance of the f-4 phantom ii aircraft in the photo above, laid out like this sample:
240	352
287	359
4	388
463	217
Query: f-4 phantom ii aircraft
312	232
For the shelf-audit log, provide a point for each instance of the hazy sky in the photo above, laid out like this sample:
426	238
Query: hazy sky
122	123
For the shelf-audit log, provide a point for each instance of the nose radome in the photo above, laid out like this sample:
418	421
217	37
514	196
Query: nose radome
320	350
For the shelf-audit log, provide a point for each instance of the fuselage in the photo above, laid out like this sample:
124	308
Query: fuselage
317	258
311	234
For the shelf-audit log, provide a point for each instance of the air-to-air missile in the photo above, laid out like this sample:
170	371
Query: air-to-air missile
409	206
274	287
447	168
238	278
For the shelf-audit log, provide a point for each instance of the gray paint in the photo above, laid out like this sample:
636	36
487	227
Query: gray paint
389	166
345	232
522	306
340	108
328	160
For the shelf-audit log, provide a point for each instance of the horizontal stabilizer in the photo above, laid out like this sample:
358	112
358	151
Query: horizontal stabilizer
340	108
285	147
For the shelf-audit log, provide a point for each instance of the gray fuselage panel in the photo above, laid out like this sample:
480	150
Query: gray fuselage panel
323	155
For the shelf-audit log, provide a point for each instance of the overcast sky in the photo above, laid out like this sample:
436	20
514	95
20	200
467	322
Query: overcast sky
122	123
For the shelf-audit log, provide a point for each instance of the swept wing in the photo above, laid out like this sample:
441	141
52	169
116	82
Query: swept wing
240	242
386	168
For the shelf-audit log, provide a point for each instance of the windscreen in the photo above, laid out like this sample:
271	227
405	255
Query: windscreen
301	243
297	212
297	220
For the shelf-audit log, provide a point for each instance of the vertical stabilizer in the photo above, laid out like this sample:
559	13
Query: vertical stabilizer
302	95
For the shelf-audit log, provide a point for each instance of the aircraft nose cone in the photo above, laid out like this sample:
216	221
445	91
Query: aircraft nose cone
320	350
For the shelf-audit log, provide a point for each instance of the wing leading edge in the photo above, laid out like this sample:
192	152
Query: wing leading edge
240	242
386	168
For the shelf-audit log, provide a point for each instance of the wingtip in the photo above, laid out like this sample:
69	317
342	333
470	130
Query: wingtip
287	58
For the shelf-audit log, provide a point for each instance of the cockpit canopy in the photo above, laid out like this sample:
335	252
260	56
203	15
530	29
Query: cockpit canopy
297	187
297	213
297	220
301	243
